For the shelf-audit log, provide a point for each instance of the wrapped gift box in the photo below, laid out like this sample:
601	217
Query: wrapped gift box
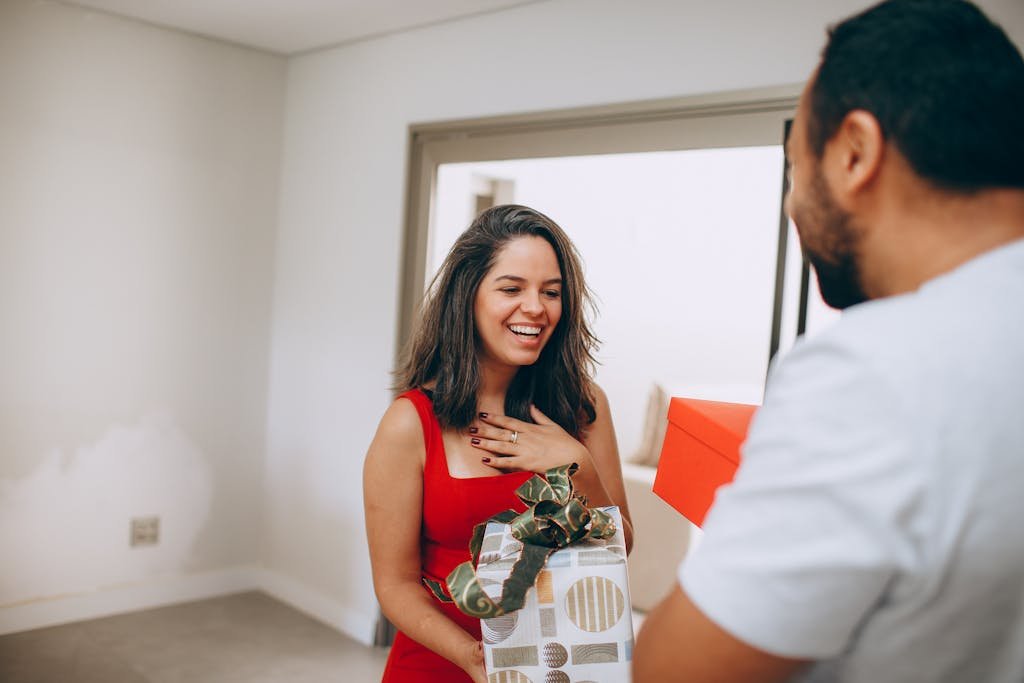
701	452
576	624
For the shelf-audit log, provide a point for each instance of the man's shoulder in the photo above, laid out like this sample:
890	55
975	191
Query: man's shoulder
872	334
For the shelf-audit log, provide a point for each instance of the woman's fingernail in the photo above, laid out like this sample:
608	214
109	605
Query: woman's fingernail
485	459
475	442
483	414
473	430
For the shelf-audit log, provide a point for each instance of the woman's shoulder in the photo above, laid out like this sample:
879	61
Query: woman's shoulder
396	454
401	423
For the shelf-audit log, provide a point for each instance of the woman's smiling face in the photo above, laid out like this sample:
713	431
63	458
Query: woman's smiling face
519	302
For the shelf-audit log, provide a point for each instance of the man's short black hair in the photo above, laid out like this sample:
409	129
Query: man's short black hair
944	82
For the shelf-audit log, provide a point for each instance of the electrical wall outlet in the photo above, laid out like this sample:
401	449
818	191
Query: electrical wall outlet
145	531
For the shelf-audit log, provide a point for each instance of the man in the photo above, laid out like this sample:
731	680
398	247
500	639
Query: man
875	530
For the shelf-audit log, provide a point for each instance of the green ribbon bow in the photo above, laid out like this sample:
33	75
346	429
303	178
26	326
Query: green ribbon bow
557	517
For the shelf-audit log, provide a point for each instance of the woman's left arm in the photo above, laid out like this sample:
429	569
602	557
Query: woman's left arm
603	481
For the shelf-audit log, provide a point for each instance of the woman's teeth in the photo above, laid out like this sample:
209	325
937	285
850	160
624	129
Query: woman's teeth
524	330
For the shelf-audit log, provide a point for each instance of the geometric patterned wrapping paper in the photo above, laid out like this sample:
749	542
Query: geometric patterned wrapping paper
576	625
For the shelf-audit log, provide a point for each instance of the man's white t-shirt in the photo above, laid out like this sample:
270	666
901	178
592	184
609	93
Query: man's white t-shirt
876	523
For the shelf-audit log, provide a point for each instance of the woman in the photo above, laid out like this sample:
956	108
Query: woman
497	387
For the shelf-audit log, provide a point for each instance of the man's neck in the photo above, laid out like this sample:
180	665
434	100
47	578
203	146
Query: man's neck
931	233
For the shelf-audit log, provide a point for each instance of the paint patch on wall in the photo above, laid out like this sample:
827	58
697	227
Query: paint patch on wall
64	528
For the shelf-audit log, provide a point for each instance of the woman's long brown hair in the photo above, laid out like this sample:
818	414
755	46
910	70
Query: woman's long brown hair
443	347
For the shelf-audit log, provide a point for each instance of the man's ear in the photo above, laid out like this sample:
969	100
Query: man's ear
855	154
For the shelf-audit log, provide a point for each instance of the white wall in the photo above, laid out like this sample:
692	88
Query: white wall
339	240
138	204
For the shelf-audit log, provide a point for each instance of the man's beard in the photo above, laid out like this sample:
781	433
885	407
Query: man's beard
838	281
835	264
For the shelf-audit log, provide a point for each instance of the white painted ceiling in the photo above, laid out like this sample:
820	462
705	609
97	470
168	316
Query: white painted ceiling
292	26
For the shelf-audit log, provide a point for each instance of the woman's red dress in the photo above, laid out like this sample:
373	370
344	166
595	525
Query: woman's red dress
451	508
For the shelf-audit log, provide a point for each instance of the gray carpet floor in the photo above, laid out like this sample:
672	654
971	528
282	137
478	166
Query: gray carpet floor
246	637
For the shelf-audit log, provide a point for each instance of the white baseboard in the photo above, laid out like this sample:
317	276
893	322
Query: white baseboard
170	590
155	592
355	625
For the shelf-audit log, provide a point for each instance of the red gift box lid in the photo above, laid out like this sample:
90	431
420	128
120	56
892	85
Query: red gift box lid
701	452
